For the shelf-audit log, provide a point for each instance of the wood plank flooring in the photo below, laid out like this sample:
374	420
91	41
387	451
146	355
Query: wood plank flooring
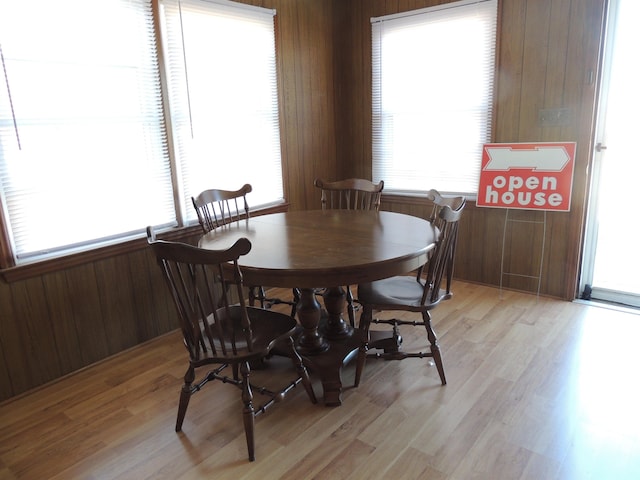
537	389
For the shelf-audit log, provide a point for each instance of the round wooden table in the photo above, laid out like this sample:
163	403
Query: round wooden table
326	248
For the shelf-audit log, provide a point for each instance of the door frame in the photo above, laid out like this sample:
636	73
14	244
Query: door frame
586	290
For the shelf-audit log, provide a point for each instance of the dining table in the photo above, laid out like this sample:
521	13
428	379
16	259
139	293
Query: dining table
308	250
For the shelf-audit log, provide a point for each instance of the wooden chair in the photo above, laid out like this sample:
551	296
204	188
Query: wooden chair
215	208
220	333
419	293
350	194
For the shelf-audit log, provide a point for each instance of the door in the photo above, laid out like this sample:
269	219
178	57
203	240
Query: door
611	265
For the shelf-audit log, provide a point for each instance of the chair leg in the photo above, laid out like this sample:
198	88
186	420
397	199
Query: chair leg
252	296
185	396
435	348
294	303
257	294
351	310
248	413
437	358
262	297
365	322
361	360
302	371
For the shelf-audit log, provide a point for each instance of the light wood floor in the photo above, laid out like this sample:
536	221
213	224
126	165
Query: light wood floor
537	389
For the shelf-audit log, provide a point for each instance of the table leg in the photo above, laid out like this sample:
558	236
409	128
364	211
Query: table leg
334	302
309	312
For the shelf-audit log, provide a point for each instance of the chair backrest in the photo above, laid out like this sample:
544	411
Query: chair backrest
446	215
200	282
439	201
350	194
217	207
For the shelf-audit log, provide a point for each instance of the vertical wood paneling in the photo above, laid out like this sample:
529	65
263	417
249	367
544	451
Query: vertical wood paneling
343	82
301	50
509	73
557	62
348	71
146	307
490	222
29	337
65	334
558	262
6	318
115	291
88	317
535	53
11	355
306	78
287	95
165	318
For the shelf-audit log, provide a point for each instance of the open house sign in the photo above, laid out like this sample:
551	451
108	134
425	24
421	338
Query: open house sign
527	176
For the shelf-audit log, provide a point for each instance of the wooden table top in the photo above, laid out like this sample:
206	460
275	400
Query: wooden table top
322	248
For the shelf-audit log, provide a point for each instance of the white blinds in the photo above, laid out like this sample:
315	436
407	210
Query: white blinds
223	98
83	154
432	92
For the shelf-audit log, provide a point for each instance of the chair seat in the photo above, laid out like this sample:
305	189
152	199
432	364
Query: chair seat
402	291
268	327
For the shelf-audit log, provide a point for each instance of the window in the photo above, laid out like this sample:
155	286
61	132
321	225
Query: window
432	96
223	98
85	155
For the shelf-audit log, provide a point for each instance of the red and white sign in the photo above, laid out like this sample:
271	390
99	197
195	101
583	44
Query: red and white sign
527	176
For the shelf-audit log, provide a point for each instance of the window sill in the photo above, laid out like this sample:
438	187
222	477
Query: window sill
24	272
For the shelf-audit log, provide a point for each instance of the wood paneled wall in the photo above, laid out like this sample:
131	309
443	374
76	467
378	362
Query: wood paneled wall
58	322
306	69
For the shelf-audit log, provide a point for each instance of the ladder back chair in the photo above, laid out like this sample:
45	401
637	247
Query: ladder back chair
219	333
419	293
215	208
349	194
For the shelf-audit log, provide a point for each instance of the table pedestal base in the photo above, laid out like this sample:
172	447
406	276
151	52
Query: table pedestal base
328	366
326	346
